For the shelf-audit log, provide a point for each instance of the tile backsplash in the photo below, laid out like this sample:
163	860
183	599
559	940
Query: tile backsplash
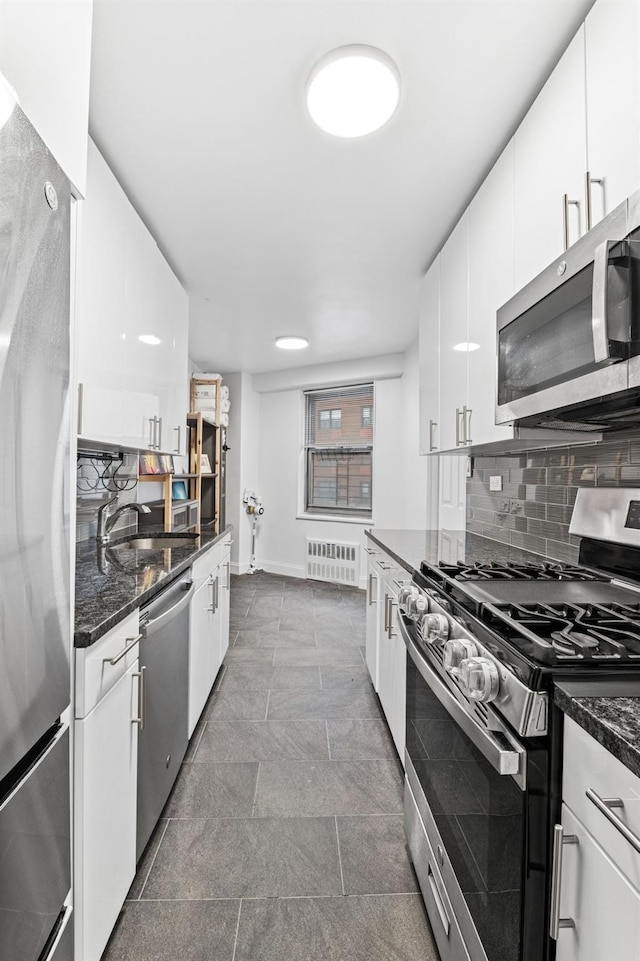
533	509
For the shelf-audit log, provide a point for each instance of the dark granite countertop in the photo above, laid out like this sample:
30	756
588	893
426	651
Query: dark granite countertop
410	547
613	721
110	584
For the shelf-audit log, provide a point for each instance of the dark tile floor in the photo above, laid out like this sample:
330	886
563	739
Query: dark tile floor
283	837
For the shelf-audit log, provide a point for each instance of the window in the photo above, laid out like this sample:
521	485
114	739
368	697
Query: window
330	419
339	450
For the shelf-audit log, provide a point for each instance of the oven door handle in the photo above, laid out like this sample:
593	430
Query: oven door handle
500	749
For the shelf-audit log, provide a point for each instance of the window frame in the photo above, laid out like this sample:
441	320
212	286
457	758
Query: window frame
312	447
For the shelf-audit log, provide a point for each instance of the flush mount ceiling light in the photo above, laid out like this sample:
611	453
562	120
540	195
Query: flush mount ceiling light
150	339
467	346
292	343
353	91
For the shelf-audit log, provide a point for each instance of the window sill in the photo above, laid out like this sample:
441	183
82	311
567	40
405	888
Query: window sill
335	518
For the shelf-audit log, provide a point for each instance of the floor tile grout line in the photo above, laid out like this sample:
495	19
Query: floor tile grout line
235	940
255	793
335	821
144	883
326	727
266	709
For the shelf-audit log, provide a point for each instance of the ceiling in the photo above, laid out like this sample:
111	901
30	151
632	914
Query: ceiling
272	226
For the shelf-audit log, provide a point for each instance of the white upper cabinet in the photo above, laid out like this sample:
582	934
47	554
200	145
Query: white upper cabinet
45	54
612	42
490	285
550	160
454	324
429	359
132	317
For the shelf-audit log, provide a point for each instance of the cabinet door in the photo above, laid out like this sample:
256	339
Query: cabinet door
106	767
174	331
604	907
613	102
454	316
224	603
429	354
397	720
100	303
385	654
201	638
372	630
550	161
490	286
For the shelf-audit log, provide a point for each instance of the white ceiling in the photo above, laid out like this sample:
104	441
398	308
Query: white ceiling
272	226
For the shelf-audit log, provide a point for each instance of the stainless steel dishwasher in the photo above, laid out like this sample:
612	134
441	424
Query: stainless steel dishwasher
164	663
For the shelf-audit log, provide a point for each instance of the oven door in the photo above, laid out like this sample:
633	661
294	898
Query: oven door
473	812
566	337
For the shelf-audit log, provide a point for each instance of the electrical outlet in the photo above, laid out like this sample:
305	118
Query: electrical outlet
495	482
516	507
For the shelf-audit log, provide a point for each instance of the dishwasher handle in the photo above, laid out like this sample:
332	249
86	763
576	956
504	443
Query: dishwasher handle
156	623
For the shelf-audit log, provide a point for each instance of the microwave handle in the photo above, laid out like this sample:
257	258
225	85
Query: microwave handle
599	319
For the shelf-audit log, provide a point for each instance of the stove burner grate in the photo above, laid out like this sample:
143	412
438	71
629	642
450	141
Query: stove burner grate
557	633
546	571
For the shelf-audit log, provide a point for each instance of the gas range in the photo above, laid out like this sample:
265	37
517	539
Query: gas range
500	634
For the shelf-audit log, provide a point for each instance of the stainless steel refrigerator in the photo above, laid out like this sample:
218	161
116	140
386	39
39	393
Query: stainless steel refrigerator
35	870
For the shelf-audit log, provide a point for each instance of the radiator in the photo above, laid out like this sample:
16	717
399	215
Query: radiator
333	561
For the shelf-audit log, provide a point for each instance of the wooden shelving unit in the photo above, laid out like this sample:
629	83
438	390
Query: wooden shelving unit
165	480
204	438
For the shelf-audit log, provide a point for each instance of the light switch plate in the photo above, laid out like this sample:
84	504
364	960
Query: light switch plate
495	482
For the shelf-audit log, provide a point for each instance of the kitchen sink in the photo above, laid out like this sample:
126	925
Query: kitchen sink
157	543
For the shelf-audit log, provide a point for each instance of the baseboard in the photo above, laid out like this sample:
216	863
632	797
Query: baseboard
286	570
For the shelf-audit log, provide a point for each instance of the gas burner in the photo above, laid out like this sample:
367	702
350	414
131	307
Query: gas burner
546	571
557	633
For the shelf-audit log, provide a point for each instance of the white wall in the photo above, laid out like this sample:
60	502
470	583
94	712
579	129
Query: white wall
417	469
242	463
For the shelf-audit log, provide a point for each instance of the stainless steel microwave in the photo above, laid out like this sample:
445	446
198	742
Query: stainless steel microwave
568	344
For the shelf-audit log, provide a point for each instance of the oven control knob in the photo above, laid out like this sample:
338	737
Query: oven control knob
479	678
434	627
405	594
416	605
456	651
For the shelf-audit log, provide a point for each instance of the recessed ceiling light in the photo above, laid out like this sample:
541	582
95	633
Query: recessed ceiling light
466	345
292	343
150	339
353	91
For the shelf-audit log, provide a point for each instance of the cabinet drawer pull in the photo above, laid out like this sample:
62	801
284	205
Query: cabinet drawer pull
605	805
141	704
399	583
80	402
442	911
390	632
468	411
566	203
130	642
386	613
176	450
370	550
556	922
432	426
589	180
370	599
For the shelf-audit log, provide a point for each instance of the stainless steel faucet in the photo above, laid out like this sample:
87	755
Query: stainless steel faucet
106	520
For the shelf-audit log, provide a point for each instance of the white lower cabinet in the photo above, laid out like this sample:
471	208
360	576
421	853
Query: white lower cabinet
105	788
602	904
209	626
598	868
372	636
392	654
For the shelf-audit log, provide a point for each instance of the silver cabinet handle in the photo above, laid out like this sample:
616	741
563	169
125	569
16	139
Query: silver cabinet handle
458	417
159	443
468	411
399	584
599	317
217	602
370	599
386	613
556	922
605	805
442	911
370	550
130	643
384	565
152	432
566	203
80	403
212	606
390	632
176	450
141	702
588	181
432	426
